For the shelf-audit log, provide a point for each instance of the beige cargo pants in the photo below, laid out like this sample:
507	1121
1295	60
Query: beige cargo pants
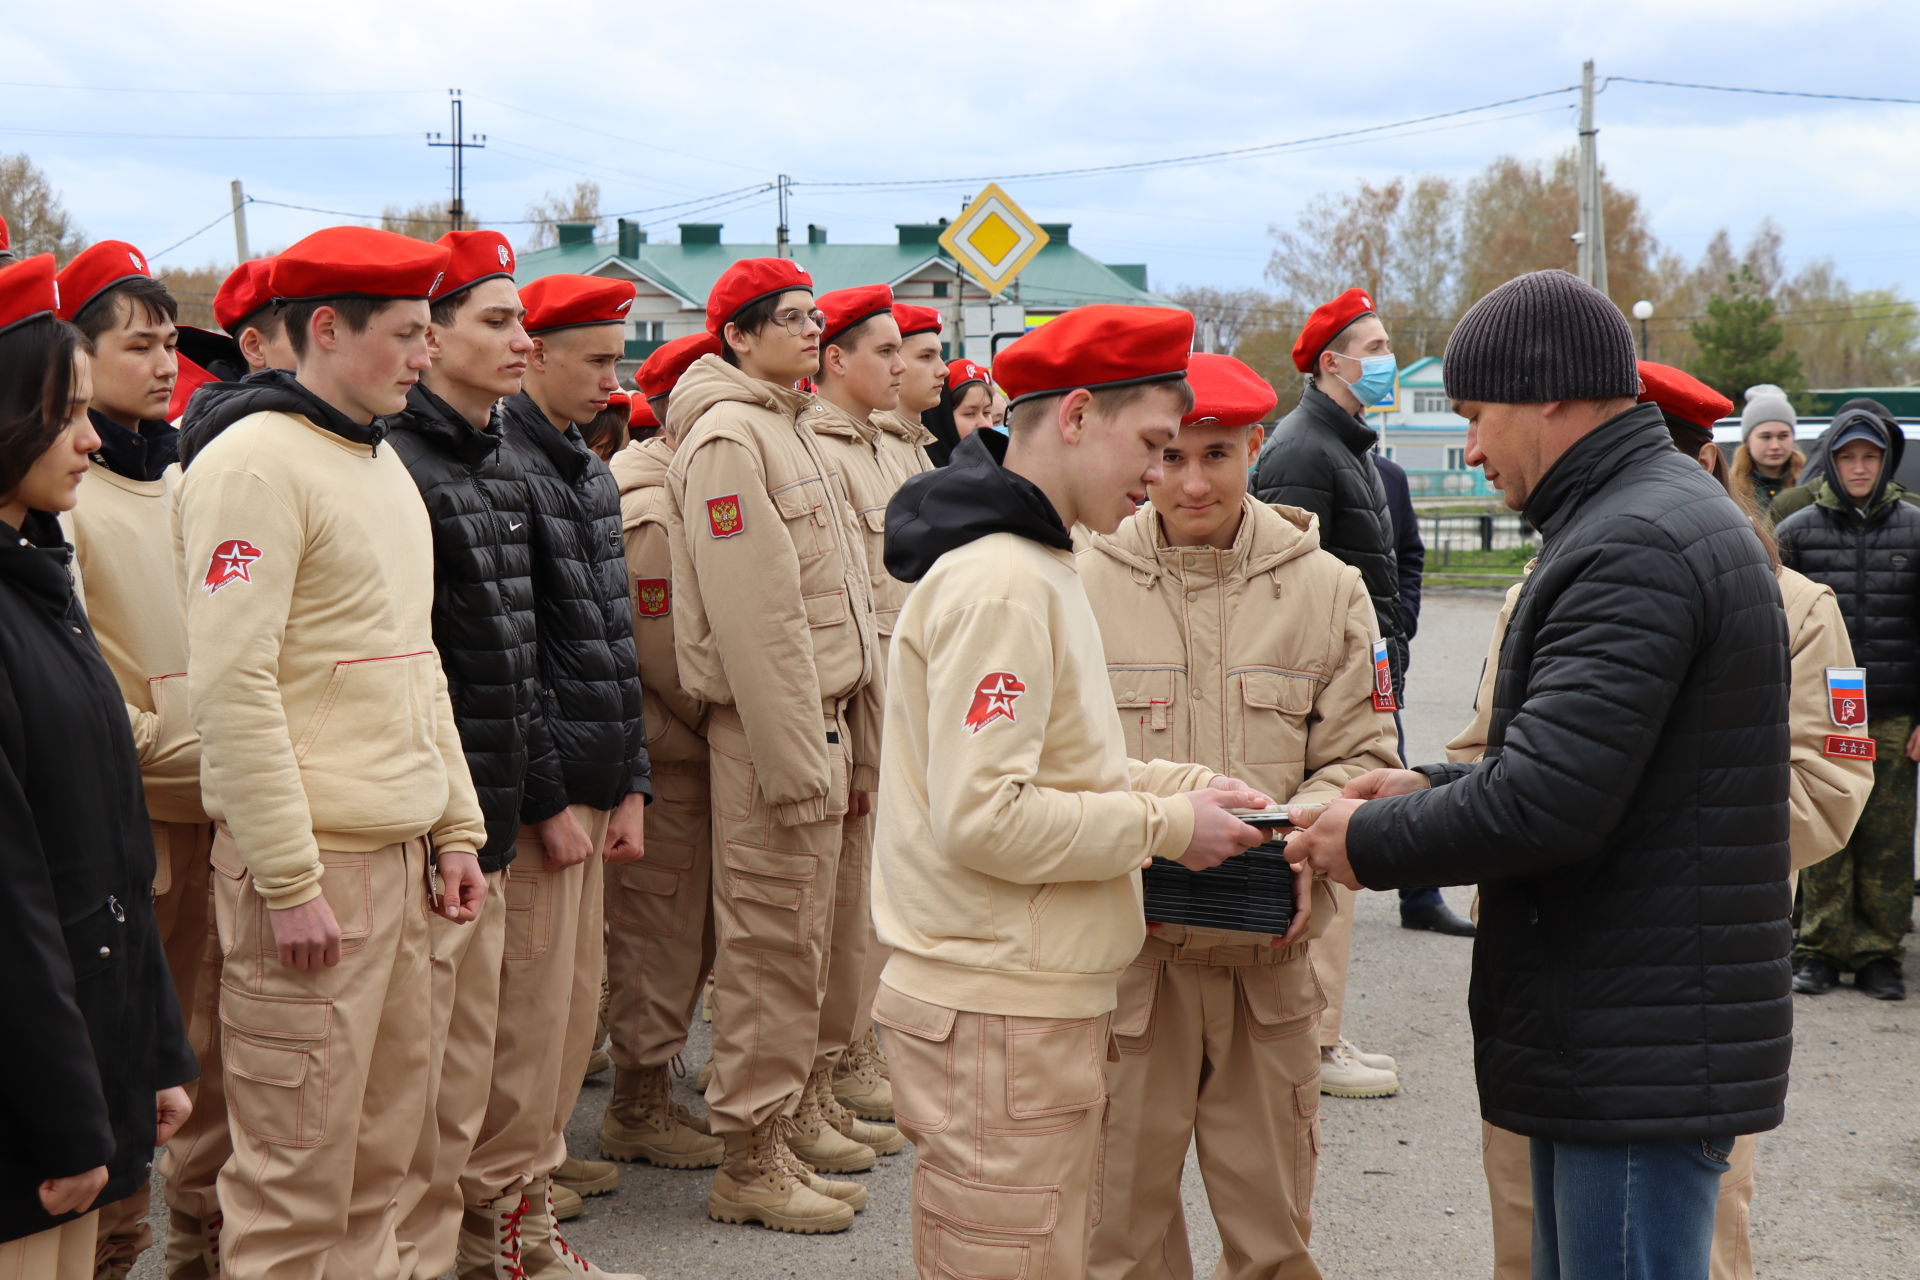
660	923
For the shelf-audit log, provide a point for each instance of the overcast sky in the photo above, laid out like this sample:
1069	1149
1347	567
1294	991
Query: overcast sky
668	103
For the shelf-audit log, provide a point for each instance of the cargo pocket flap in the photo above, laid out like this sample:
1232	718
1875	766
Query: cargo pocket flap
982	1206
1055	1068
645	879
1275	691
277	1018
778	863
969	1259
1281	998
826	609
913	1016
226	857
876	519
798	500
282	1065
786	897
1138	986
1137	688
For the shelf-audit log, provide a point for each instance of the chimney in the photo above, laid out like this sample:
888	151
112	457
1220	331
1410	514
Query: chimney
816	234
699	233
574	233
631	236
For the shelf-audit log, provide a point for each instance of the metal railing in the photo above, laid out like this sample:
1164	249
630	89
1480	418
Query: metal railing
1468	541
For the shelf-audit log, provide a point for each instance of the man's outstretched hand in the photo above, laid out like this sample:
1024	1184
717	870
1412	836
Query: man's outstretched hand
1319	840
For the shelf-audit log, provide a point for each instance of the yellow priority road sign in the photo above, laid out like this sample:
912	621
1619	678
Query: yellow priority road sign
994	239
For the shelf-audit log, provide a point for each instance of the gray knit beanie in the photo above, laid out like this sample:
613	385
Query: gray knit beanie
1543	336
1763	409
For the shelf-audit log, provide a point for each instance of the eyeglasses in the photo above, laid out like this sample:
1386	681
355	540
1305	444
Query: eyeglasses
796	322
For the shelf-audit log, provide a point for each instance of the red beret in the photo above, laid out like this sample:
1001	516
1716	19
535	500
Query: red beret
845	308
474	256
962	371
747	282
575	302
1325	324
620	400
1097	347
243	292
642	414
97	269
662	370
356	262
1227	392
912	319
1681	394
28	291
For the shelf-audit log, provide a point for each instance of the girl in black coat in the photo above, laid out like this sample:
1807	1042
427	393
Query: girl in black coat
91	1079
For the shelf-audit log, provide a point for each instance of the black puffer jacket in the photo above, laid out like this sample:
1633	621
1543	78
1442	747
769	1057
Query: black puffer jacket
590	680
87	1004
483	610
1872	562
1318	461
1628	826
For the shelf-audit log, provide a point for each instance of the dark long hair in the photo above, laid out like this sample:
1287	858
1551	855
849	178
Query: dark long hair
36	393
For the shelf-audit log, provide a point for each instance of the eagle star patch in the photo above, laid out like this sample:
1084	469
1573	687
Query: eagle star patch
653	597
723	516
1847	696
230	563
1382	678
993	699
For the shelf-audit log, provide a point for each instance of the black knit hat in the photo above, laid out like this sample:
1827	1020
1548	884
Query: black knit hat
1543	336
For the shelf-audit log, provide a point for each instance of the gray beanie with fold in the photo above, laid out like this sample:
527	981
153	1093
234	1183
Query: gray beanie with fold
1762	409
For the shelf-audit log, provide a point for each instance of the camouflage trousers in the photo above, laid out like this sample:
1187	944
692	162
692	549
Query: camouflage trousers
1855	906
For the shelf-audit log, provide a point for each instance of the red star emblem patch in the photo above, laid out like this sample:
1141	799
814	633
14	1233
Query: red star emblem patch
230	563
993	699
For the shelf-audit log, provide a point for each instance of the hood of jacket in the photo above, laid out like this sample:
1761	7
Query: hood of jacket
971	497
896	423
710	380
137	453
219	405
446	429
829	419
1269	537
1826	490
641	465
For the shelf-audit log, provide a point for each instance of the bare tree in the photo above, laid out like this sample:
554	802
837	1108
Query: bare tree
1231	313
582	204
36	220
427	221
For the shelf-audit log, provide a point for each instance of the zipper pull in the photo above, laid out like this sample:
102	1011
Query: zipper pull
113	905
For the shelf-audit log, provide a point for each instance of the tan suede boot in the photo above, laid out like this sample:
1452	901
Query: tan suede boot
884	1139
490	1244
861	1082
587	1177
546	1254
816	1141
193	1247
761	1180
567	1204
643	1122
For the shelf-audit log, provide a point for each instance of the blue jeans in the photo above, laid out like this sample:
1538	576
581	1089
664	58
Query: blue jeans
1625	1210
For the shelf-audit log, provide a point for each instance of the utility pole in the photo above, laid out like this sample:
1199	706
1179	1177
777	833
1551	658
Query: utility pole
782	249
240	222
1592	236
461	142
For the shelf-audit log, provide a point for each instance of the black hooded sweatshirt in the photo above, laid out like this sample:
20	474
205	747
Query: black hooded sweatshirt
219	405
973	496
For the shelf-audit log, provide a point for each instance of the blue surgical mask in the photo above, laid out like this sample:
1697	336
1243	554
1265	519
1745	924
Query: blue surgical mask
1375	382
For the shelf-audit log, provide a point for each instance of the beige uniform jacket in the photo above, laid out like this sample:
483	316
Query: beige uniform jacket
122	535
1828	792
315	685
675	718
774	611
1012	824
1256	661
876	458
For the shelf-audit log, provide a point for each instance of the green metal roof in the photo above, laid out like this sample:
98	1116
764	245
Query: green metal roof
1060	275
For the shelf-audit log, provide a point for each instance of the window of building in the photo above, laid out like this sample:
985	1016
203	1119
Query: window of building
939	288
1456	459
1431	402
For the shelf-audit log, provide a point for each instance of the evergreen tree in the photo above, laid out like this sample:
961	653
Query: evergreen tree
1741	342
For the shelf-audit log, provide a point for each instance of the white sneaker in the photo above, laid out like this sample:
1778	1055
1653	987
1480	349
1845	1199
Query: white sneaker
1378	1061
1342	1076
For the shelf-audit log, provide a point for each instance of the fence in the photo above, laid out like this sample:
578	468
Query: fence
1448	484
1472	540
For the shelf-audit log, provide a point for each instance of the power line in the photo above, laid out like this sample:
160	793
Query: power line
1771	93
200	137
196	235
1200	157
220	93
722	196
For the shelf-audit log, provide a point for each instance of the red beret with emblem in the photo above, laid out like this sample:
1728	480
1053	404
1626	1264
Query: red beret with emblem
641	414
747	282
97	269
243	292
1228	392
845	308
913	319
662	370
963	371
356	262
474	256
28	291
1326	323
1682	395
575	302
1098	347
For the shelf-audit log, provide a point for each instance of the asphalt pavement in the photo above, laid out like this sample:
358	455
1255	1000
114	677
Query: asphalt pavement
1400	1191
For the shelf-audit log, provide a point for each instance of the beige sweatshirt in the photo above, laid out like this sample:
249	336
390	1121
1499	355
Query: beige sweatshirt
773	614
314	682
122	534
1257	660
1012	825
1829	788
674	717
